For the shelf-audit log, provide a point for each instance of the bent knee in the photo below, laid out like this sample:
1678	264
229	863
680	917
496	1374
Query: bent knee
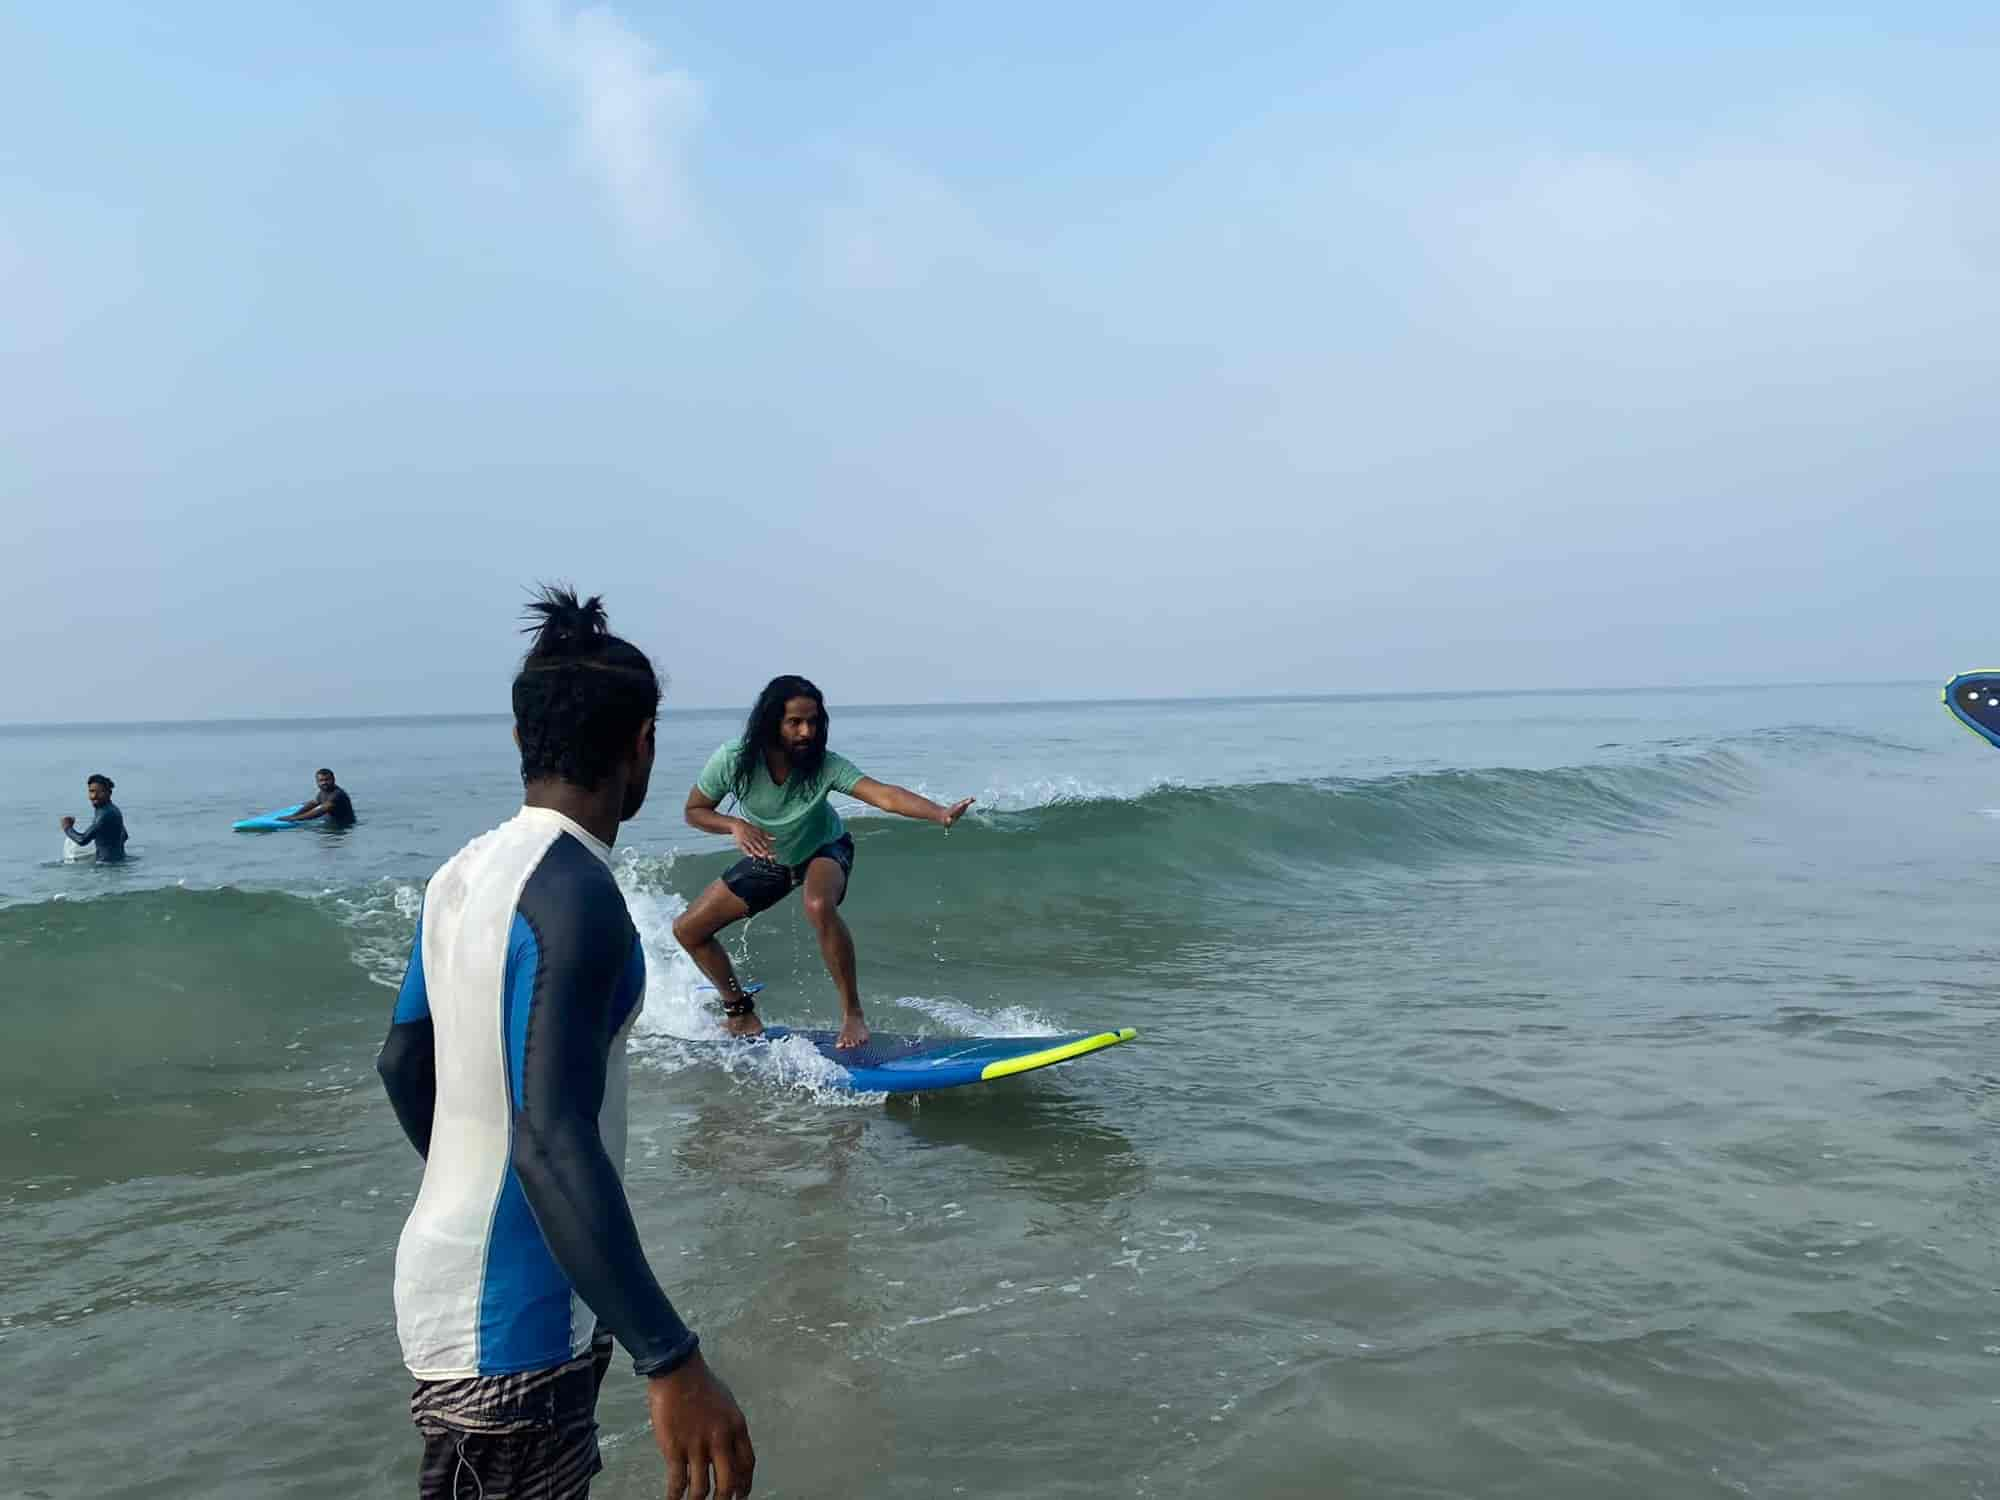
688	934
820	910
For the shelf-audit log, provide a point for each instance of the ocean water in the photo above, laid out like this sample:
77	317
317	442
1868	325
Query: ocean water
1560	1095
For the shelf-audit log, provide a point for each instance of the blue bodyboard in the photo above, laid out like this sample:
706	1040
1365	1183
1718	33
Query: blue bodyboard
1974	700
270	822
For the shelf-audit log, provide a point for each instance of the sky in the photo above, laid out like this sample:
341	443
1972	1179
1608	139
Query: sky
990	353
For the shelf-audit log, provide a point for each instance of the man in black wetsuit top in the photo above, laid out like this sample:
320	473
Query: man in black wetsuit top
329	801
107	829
505	1062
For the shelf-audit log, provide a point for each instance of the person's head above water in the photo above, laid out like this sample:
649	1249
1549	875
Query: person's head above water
789	717
98	789
584	701
323	778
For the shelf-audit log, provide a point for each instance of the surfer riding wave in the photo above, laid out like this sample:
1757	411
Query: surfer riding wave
781	772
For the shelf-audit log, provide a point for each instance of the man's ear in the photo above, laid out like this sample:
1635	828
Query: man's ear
517	736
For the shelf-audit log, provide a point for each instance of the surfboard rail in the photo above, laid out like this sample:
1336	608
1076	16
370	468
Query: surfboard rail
1010	1065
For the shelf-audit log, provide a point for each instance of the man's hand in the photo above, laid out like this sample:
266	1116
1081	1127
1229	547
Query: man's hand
751	839
68	824
956	811
699	1427
853	1031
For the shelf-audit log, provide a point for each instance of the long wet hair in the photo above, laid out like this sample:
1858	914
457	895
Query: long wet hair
581	693
760	733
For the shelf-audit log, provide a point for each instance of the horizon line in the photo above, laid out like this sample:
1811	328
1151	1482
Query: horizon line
1327	697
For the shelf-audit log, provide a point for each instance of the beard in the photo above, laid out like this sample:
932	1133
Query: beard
805	760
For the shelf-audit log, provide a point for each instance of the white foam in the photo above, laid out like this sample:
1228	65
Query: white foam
673	1009
382	920
681	1020
1009	1020
1059	791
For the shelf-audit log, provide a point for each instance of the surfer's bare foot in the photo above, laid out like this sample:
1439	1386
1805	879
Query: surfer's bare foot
853	1031
744	1025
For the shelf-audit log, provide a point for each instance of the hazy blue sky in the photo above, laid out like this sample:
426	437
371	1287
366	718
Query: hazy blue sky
994	351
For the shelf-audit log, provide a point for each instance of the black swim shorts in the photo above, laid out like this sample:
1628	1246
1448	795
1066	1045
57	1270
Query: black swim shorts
509	1437
762	883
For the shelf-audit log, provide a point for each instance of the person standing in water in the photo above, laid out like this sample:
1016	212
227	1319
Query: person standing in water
107	829
505	1063
780	772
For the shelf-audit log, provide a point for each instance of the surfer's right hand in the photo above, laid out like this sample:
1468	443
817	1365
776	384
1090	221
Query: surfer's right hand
751	839
698	1427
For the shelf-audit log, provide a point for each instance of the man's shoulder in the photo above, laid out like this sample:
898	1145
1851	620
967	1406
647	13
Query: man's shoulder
572	892
503	865
719	769
839	773
498	853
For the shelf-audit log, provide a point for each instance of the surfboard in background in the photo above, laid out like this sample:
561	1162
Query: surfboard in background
270	822
1974	700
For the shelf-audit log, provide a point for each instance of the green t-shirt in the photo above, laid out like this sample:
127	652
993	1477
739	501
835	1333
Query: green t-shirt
798	818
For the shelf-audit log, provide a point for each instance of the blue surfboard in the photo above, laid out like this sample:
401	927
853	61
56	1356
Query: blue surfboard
270	822
890	1064
1974	700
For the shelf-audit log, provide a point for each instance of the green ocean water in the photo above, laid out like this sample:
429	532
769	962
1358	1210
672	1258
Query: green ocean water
1536	1095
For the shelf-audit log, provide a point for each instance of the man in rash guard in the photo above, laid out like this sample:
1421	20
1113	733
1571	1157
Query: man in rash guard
506	1066
107	829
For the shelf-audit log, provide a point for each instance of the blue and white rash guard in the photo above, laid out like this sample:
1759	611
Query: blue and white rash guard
506	1066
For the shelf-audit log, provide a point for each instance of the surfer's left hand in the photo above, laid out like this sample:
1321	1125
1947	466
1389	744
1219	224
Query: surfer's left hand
853	1031
956	811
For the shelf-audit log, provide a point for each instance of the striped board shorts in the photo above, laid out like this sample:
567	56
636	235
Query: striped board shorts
508	1437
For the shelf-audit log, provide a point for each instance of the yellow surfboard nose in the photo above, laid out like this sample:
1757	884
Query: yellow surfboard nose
1030	1061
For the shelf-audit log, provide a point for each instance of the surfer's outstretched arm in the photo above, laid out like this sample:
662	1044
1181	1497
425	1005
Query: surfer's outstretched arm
906	803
